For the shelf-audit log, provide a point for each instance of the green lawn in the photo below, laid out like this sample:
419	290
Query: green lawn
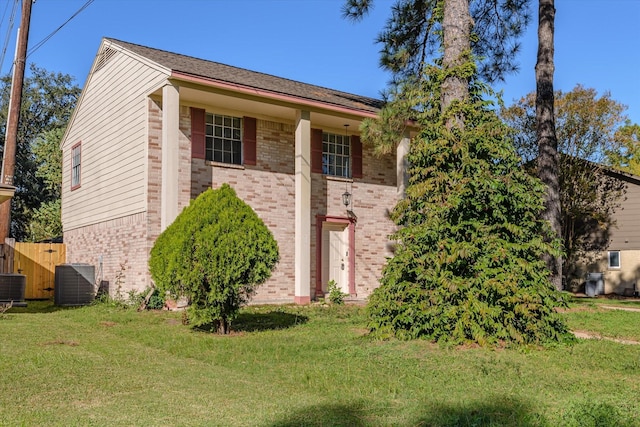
296	366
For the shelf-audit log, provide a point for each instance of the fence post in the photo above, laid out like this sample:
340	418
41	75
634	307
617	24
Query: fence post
8	253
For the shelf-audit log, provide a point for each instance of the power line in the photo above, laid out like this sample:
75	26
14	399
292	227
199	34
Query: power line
9	29
46	39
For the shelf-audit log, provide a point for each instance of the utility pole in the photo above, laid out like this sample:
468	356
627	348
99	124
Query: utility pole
13	117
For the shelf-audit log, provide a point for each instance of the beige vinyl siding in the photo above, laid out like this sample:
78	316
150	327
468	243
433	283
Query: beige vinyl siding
111	124
626	236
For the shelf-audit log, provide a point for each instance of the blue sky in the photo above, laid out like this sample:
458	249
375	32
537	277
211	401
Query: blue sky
597	41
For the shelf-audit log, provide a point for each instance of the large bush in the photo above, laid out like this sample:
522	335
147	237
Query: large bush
468	265
215	254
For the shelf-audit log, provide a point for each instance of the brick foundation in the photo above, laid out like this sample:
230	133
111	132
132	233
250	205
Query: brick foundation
117	248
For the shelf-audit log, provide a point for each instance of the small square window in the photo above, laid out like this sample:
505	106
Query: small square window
614	259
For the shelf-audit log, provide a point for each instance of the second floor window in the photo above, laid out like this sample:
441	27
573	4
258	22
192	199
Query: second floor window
223	139
76	154
336	155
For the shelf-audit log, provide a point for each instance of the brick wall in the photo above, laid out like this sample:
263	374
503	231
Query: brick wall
116	248
269	188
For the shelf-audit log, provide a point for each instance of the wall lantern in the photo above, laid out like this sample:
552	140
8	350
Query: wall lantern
346	198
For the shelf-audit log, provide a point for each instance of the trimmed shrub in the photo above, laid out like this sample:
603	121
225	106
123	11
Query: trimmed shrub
216	253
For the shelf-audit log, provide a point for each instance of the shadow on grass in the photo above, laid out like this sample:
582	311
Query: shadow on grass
37	306
271	320
326	415
504	412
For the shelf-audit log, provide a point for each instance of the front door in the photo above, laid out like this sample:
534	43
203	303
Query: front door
335	256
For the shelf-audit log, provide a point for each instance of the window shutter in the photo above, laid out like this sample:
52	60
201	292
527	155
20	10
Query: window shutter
356	156
249	140
316	150
197	133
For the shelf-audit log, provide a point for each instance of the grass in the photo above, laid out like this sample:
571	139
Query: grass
298	366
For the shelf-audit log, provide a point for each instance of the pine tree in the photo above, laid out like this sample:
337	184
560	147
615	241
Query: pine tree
468	263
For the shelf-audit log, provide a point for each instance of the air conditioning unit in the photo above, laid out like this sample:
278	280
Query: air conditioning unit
12	288
74	284
594	284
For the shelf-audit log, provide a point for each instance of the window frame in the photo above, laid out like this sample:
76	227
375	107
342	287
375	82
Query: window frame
337	141
76	166
619	259
236	152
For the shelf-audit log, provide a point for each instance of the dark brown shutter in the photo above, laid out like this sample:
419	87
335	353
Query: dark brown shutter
197	133
316	150
249	140
356	156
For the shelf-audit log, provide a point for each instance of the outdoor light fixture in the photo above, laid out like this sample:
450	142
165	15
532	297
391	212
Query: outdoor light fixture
346	198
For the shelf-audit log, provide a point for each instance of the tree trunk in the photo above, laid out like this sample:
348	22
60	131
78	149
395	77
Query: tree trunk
223	326
546	129
456	28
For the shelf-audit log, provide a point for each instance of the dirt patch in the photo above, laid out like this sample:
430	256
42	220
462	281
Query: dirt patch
575	309
593	336
617	307
108	324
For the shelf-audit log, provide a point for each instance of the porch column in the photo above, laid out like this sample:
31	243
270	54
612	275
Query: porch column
303	208
402	165
170	154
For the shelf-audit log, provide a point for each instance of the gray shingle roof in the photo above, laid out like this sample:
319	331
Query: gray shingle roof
252	79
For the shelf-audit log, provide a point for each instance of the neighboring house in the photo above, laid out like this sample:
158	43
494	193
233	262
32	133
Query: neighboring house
620	261
153	129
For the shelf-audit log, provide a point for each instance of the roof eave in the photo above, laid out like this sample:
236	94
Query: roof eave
276	96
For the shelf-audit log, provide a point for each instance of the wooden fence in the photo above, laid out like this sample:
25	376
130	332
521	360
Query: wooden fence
37	261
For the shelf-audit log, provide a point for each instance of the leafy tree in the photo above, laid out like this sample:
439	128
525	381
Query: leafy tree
45	222
588	126
48	159
215	253
589	135
47	103
627	158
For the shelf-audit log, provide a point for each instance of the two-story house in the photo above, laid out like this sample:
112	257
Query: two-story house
153	129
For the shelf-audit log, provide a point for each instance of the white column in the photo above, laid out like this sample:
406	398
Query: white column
303	208
170	154
402	165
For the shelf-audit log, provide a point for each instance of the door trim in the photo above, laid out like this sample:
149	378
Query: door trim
351	223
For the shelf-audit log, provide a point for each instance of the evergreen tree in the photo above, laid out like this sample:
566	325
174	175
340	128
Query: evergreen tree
547	161
467	266
420	32
412	36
